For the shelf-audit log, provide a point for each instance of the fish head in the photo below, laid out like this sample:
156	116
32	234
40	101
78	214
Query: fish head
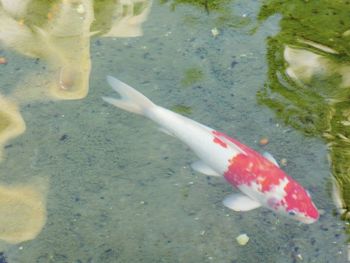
297	204
284	195
262	179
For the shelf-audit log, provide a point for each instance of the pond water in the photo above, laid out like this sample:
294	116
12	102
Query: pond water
82	181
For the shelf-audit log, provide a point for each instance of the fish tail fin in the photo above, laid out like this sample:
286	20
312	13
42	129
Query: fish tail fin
130	99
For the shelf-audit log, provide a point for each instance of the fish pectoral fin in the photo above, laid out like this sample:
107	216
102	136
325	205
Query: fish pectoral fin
269	157
240	202
201	167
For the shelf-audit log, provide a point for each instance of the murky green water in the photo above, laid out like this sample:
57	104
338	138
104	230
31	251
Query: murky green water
82	181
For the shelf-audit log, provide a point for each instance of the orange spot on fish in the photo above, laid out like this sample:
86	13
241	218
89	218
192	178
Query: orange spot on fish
220	142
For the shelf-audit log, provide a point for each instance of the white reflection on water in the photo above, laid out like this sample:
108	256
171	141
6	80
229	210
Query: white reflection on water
126	21
11	122
63	42
304	64
23	210
16	8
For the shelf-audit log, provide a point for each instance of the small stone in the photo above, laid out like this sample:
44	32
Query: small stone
215	32
263	141
3	60
242	239
284	162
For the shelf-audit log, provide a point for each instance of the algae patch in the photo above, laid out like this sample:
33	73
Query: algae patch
192	76
308	77
182	109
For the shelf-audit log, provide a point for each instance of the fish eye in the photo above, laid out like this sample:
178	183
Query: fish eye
291	213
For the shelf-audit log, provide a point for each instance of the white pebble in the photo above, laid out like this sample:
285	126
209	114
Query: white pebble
215	32
242	239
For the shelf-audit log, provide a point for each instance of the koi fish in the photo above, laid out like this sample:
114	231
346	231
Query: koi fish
260	180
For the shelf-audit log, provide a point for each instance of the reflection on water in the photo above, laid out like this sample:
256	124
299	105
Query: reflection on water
110	217
11	122
23	211
58	32
127	18
16	8
64	42
221	11
309	80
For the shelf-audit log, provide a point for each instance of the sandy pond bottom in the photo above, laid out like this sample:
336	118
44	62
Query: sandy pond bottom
121	191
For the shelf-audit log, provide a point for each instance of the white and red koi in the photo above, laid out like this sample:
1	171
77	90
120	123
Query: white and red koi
260	180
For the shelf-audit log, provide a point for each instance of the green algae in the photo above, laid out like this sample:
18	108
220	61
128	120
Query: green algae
322	21
312	95
208	5
104	16
221	9
185	191
192	76
182	109
39	12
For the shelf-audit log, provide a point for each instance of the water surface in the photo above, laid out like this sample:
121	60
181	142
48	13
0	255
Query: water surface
107	186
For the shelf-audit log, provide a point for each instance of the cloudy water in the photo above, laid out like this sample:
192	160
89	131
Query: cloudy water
82	181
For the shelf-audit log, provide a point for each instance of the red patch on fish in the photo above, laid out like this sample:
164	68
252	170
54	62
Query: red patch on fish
250	166
248	169
297	199
220	142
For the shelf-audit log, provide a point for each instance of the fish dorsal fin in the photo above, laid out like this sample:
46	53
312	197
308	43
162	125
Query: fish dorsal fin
240	202
203	168
269	157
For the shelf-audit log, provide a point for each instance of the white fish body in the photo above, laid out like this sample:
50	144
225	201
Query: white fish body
197	136
259	178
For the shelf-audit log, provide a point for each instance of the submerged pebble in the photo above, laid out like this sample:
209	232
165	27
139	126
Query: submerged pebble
263	141
215	32
3	60
242	239
284	162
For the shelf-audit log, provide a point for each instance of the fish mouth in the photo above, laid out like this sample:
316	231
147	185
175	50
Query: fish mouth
307	219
